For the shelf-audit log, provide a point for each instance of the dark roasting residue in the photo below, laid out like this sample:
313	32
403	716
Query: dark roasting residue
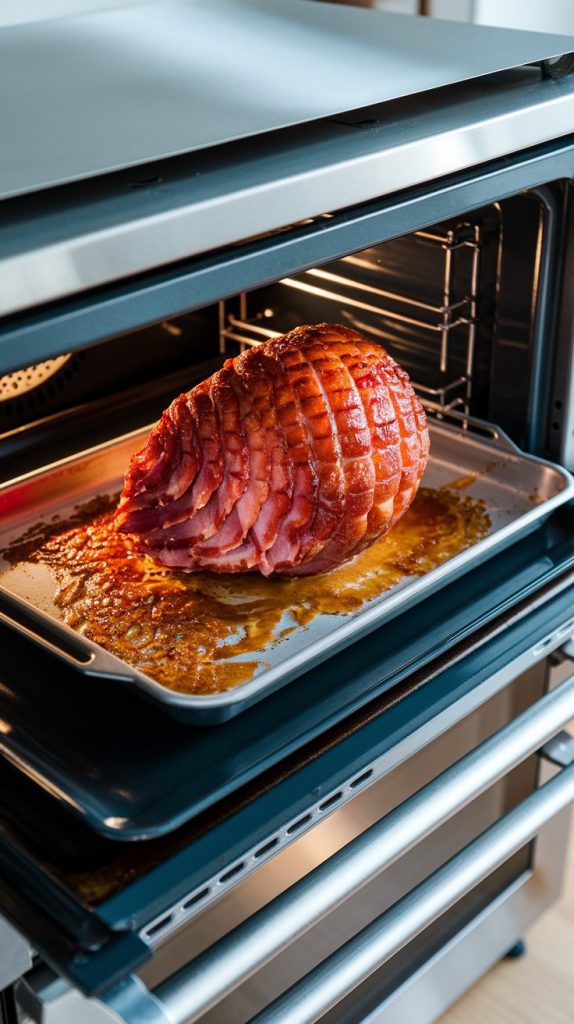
182	630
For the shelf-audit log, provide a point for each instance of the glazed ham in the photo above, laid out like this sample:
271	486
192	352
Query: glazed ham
291	459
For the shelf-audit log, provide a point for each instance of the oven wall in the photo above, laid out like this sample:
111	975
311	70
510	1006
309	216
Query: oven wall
464	339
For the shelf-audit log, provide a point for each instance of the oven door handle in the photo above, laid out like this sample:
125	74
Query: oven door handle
341	973
203	982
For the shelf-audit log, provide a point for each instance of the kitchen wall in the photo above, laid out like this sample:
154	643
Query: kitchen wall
539	15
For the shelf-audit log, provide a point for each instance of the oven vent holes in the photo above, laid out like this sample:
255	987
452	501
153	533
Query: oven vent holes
200	898
358	292
33	390
14	385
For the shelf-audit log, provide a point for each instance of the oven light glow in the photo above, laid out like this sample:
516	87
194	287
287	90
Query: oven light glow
112	822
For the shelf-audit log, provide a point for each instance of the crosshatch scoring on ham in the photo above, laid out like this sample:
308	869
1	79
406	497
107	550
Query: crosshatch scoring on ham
290	459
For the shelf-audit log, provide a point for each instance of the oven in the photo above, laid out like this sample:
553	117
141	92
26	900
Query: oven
362	834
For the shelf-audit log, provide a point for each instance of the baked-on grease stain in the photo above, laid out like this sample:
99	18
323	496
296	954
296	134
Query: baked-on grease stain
183	629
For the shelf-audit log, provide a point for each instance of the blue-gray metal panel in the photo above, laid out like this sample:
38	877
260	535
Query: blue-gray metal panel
69	240
125	307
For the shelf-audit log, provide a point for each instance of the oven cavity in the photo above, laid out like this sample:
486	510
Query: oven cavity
417	295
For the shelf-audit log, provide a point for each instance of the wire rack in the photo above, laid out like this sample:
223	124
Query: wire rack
351	287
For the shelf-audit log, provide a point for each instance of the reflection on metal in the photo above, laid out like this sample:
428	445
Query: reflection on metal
243	951
15	954
47	999
341	973
560	749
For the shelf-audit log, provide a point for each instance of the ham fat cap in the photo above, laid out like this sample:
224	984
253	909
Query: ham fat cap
290	459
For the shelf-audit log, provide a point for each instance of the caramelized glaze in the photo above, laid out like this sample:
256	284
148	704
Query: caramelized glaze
182	630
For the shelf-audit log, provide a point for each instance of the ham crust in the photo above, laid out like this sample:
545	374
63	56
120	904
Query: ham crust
291	459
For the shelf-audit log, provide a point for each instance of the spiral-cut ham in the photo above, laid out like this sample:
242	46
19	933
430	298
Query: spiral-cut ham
291	459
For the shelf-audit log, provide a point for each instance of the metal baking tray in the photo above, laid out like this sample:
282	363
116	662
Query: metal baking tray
519	492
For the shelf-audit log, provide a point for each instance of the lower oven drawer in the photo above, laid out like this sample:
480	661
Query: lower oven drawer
349	921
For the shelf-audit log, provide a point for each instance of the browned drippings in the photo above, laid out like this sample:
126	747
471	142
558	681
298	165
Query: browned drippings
462	482
182	629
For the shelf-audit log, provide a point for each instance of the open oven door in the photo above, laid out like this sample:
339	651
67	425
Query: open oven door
143	893
269	932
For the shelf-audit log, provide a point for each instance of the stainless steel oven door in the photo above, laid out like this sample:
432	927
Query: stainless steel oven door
394	903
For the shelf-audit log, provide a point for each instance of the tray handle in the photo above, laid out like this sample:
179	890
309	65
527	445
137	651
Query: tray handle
59	640
492	430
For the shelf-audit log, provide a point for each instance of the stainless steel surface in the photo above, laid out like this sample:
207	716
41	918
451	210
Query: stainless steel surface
519	491
60	246
483	703
434	986
407	768
442	979
46	998
15	954
201	984
560	749
568	649
422	997
138	84
324	987
436	982
560	425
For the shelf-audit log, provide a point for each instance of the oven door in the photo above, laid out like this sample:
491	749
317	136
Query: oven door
398	886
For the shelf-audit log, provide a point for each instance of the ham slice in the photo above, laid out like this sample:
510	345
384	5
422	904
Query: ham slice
291	459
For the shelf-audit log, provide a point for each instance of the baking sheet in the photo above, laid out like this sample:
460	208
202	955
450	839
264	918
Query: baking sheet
518	490
86	747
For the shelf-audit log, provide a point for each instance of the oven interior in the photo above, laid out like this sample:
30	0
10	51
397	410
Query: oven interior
458	304
463	307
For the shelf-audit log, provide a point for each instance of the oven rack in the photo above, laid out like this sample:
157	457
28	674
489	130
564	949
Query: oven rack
245	324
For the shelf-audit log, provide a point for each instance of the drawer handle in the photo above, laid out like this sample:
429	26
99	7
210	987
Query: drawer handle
338	975
198	986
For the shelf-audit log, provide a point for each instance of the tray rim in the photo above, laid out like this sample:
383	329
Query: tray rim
101	662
